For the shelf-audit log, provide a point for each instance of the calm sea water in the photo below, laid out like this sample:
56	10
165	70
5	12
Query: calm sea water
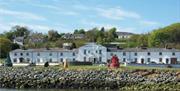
49	90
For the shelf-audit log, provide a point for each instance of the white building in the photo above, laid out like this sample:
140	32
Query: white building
124	35
19	40
95	53
92	53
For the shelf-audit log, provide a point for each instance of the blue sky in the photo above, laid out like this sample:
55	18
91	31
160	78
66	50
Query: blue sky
137	16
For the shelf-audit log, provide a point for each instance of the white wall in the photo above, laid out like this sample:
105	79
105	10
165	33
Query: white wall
92	51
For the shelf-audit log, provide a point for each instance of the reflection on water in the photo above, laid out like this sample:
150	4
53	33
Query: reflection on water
49	90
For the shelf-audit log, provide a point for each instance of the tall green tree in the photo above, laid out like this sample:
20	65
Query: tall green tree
53	35
111	35
5	47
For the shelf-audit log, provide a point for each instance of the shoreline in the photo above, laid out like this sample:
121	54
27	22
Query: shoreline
55	77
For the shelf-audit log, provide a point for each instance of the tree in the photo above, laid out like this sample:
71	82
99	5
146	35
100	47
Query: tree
8	62
80	31
53	35
20	31
169	35
111	35
5	47
158	38
14	46
92	35
143	40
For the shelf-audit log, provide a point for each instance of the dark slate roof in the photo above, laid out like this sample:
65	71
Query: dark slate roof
143	50
45	50
124	33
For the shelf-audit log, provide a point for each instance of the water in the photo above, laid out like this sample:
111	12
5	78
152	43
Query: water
49	90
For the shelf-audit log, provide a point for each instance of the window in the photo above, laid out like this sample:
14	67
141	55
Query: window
167	61
160	53
124	53
149	53
111	54
84	51
96	51
84	59
135	60
173	54
100	59
15	54
61	59
149	59
124	59
100	51
160	60
38	54
27	54
135	54
74	59
89	51
61	54
38	60
50	60
21	54
50	54
73	54
14	60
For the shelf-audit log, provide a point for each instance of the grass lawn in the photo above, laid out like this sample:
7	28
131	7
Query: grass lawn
122	68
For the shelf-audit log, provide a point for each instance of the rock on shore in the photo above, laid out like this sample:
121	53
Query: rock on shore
39	77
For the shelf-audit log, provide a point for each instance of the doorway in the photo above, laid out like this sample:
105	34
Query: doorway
21	60
173	60
142	60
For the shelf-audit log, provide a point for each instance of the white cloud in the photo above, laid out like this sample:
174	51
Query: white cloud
19	14
57	9
117	13
148	23
81	7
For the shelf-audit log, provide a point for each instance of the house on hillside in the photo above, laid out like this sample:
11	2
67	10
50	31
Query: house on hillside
124	35
73	36
36	39
19	40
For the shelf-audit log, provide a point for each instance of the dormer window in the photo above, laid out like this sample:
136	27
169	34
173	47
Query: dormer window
149	53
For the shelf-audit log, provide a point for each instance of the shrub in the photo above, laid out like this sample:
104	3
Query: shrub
80	63
46	64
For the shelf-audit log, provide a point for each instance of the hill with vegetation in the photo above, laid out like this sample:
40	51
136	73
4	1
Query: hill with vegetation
168	36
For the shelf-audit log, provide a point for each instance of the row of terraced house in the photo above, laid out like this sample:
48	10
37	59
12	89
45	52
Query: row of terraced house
95	53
